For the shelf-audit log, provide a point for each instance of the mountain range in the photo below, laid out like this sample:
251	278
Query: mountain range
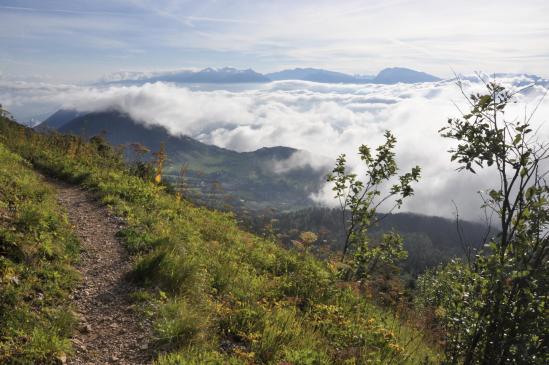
248	179
317	75
231	75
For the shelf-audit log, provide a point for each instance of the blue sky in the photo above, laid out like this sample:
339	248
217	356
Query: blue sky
82	40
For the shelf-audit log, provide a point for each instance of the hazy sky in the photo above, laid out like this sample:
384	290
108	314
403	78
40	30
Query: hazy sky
83	40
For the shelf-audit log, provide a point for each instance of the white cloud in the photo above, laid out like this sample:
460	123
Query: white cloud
323	119
301	159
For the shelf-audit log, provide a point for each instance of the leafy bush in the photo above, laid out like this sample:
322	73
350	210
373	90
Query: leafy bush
493	305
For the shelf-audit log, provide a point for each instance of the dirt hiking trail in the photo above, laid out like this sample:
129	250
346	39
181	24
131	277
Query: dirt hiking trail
109	331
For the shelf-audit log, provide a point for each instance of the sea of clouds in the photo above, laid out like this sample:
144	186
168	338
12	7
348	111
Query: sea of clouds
324	120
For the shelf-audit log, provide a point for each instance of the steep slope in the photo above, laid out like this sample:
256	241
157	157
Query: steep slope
38	252
58	119
220	295
119	129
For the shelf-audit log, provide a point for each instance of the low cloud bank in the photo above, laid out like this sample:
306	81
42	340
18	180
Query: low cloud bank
301	159
323	119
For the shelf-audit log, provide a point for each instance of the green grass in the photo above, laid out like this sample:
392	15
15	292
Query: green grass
218	294
37	249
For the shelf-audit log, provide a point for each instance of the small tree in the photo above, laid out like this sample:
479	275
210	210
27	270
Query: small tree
359	201
496	308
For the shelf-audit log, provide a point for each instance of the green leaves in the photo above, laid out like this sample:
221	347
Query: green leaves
369	258
360	199
517	139
501	319
482	141
496	195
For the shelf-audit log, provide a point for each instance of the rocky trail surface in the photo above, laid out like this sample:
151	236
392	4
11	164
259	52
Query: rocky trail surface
110	331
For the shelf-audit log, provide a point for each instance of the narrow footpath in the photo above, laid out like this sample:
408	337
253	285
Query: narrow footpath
109	330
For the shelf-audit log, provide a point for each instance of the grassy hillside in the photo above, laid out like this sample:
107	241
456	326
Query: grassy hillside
220	295
37	250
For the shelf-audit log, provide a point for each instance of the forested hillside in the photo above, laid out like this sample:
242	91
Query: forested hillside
428	240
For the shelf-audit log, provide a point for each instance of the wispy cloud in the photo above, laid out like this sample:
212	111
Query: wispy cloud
60	11
351	36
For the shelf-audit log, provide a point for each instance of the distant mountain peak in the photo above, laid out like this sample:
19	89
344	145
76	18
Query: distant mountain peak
275	152
312	74
390	75
58	119
394	75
